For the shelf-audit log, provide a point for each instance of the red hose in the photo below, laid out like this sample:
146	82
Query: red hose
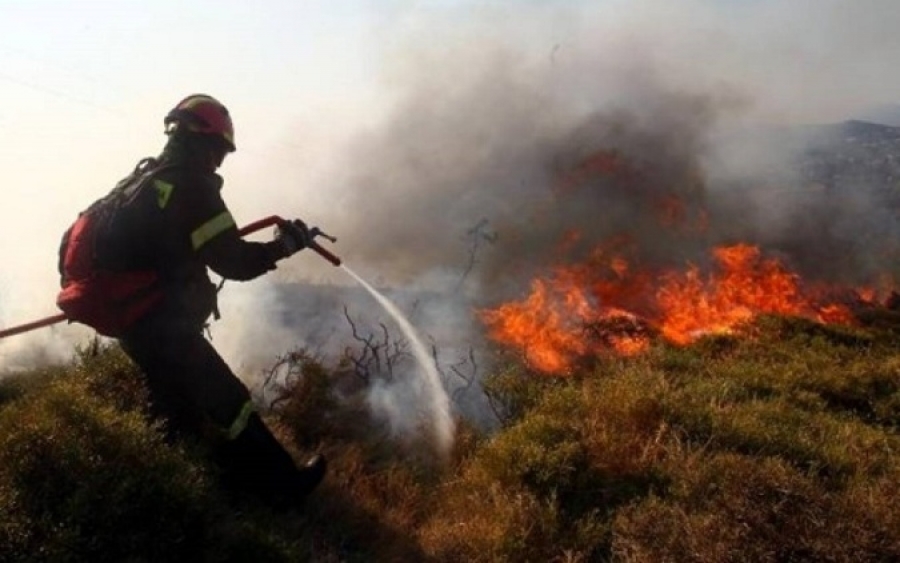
32	325
243	231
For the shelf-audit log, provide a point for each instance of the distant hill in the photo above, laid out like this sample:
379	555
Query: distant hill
852	156
849	155
852	131
885	115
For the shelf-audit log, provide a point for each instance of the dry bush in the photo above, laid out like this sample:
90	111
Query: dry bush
727	507
481	521
625	431
516	497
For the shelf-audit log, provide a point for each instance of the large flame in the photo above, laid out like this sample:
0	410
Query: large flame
604	305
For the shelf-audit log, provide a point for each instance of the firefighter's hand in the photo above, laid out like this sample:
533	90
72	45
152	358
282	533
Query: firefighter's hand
292	237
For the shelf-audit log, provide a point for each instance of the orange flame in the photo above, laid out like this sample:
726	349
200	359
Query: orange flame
542	329
605	306
745	286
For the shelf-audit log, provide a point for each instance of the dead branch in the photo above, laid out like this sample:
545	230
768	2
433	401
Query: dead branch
476	237
465	368
374	358
495	408
282	374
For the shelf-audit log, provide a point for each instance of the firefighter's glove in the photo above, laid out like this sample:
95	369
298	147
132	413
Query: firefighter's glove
292	237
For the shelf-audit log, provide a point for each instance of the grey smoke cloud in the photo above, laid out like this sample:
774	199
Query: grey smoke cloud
489	119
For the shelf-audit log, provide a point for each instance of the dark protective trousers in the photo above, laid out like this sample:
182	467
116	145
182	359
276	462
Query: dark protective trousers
191	386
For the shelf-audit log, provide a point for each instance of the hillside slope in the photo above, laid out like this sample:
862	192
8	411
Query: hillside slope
778	443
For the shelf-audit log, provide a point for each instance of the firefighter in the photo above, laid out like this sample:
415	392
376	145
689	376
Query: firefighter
135	267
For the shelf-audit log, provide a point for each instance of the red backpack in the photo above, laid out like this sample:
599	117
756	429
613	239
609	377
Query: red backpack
107	301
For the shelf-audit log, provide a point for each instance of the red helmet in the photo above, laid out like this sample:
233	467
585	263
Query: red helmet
203	114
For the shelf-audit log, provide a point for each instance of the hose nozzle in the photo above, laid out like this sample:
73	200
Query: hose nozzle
313	232
317	232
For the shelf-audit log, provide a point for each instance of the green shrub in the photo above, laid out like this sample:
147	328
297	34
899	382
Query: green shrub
84	481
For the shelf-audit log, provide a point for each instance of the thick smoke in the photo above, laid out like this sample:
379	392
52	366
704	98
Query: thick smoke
498	134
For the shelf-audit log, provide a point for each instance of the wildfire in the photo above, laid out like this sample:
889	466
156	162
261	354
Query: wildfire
606	305
546	331
744	285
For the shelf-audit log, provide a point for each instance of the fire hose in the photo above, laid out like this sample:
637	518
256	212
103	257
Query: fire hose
243	231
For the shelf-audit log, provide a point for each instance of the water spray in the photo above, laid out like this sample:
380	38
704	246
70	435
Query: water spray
438	401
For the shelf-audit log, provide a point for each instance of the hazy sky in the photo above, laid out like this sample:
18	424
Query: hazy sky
84	87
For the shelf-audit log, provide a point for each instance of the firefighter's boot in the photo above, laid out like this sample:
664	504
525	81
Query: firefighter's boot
256	463
310	474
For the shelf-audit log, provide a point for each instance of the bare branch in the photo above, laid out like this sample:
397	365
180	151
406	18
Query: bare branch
476	236
375	358
282	375
469	378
